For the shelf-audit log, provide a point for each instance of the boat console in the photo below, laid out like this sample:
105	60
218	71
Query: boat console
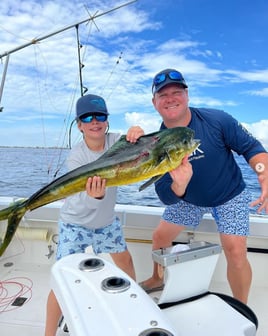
97	298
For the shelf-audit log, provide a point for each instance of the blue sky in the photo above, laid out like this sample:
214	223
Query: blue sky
220	47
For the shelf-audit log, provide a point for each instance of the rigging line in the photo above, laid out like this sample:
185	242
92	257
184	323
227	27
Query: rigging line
61	162
64	130
48	160
91	16
83	89
70	109
119	81
49	163
80	64
3	81
112	71
40	101
11	33
36	40
67	133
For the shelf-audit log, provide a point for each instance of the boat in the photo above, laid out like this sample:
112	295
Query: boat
28	271
97	298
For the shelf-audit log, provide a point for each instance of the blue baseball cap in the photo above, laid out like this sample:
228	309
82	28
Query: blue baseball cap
165	77
90	104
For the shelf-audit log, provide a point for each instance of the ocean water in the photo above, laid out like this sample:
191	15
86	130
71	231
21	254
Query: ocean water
23	171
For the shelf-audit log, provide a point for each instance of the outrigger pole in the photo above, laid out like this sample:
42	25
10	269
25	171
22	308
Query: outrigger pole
36	40
3	81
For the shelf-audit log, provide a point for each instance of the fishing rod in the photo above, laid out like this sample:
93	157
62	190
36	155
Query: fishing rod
36	40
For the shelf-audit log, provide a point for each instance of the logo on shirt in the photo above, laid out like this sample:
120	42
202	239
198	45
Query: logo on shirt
197	154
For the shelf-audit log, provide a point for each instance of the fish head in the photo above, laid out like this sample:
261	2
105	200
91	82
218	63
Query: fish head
174	144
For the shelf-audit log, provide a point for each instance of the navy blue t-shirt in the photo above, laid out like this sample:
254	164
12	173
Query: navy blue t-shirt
216	176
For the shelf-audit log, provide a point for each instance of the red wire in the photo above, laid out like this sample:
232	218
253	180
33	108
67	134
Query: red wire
13	288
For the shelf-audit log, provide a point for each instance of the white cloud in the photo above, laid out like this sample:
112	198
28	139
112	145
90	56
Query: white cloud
148	122
262	92
210	102
260	131
121	57
260	76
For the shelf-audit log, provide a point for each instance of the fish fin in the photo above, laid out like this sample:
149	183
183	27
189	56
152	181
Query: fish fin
14	219
149	182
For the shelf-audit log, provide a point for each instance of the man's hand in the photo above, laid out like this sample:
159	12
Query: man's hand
134	133
181	176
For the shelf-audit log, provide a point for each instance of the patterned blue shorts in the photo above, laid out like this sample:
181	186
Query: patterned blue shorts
75	239
231	217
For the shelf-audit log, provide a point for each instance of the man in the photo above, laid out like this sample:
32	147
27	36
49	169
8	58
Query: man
210	181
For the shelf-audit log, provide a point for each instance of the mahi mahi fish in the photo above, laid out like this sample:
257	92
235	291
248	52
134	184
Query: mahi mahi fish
149	158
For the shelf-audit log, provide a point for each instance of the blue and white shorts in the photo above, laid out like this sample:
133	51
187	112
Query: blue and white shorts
231	217
74	238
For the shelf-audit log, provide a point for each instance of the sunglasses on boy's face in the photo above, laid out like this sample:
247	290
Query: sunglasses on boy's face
98	117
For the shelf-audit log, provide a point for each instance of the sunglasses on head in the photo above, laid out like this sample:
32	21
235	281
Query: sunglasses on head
175	75
98	117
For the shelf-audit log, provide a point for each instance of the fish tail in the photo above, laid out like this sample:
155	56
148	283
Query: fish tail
13	214
5	213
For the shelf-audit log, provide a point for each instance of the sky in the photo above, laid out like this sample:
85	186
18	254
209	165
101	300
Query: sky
219	46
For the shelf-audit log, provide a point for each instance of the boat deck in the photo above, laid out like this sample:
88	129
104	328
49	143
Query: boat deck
31	281
25	266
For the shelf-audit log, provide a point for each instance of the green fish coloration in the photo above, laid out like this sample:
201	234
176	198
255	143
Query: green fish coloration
124	163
